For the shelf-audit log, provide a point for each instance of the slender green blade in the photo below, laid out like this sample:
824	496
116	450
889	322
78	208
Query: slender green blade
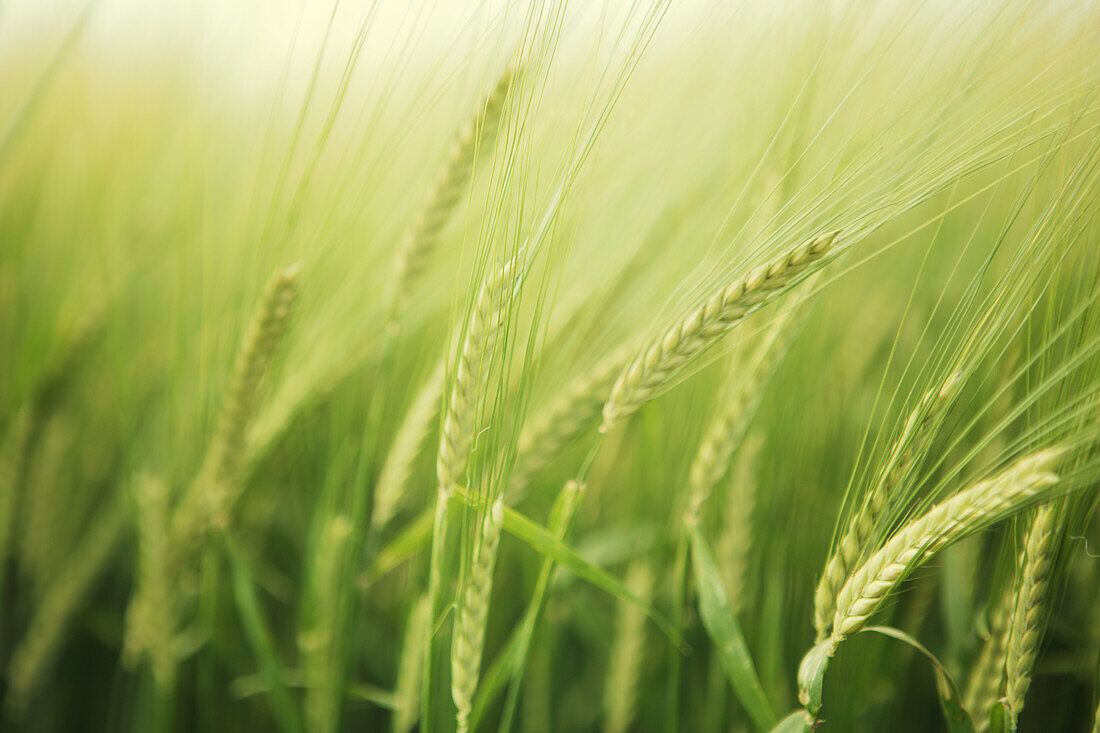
725	632
958	720
259	639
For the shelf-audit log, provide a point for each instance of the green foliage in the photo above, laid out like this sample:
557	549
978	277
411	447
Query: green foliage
819	267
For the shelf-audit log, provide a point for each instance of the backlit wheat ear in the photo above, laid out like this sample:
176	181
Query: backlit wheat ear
627	650
459	422
1028	621
32	657
966	512
662	360
151	617
563	421
476	137
856	543
406	447
210	497
473	612
983	687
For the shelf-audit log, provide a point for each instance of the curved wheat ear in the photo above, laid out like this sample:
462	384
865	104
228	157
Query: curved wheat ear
620	691
959	516
563	421
661	360
151	616
736	539
727	431
32	657
459	422
210	497
1025	629
407	444
421	238
407	687
987	676
856	542
473	611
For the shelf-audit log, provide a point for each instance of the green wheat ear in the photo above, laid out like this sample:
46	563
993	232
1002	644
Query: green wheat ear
914	544
210	498
660	361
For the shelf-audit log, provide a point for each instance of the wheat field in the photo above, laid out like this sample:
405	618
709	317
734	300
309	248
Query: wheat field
549	365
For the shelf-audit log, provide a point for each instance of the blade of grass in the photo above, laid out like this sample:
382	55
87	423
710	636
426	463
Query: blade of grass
259	639
958	721
725	632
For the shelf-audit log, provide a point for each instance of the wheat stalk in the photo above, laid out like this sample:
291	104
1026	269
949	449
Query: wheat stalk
662	359
966	512
621	688
473	611
421	238
1025	628
856	542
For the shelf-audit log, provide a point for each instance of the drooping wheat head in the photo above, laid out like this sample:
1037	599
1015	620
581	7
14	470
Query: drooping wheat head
660	361
564	420
856	542
966	512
